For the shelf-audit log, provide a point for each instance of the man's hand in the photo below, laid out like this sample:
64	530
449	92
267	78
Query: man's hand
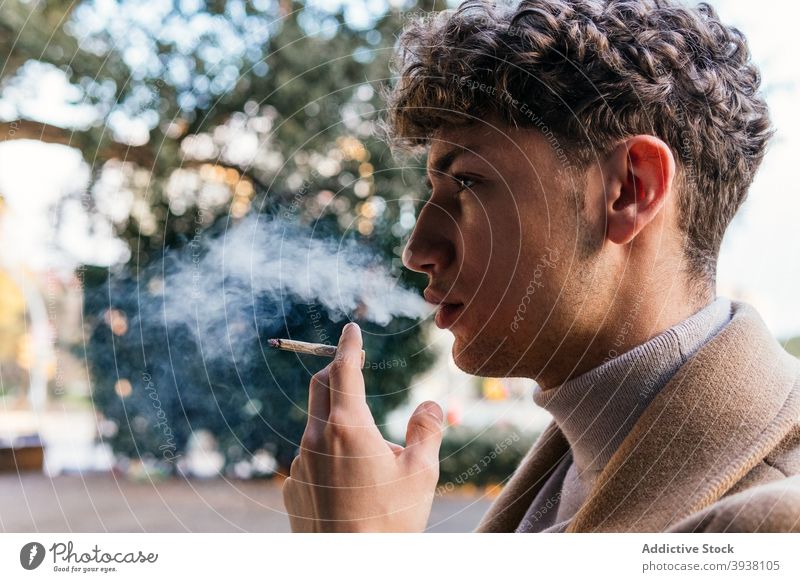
347	477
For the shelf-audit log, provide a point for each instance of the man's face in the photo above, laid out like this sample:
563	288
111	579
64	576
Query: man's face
504	242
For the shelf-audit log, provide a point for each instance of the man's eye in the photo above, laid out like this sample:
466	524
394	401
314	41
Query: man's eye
464	183
461	183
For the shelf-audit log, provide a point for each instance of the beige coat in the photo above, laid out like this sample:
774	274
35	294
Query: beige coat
717	450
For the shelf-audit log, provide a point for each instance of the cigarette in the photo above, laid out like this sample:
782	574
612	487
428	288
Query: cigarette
309	348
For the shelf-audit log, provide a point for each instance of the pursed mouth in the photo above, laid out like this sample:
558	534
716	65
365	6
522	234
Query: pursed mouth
447	314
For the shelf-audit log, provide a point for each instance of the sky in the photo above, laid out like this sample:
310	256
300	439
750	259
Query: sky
759	258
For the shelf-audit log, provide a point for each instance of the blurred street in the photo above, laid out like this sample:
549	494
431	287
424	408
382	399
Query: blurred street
94	502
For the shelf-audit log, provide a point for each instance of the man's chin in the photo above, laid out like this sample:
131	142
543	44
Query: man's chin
481	357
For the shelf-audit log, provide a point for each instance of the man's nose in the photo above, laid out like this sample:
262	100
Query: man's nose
429	249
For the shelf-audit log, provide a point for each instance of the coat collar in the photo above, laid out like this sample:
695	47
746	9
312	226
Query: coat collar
535	468
717	417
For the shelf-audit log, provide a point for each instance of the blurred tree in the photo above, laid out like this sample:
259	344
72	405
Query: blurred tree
792	345
191	115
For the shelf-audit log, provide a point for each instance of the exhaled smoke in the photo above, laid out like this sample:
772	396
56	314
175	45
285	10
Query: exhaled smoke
258	268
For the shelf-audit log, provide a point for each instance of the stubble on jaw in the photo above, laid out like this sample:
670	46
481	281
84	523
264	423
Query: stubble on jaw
506	355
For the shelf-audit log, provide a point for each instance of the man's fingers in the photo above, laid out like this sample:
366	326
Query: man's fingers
319	403
424	433
347	391
395	447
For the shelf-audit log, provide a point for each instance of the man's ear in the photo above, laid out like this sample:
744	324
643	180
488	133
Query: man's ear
639	176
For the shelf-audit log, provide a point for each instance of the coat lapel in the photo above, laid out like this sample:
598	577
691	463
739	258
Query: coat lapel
721	413
510	506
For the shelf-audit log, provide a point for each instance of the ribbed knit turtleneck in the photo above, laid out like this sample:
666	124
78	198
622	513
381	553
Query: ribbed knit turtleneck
597	409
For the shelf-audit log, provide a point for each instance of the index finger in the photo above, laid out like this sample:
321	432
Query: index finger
347	381
318	403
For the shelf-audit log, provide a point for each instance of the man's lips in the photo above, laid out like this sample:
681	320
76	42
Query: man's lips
447	314
437	298
448	311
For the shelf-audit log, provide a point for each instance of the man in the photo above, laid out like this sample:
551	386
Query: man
585	159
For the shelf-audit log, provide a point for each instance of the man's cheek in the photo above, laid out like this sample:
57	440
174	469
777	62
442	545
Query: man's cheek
528	299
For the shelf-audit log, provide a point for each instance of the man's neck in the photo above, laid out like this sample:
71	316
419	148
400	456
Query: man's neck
631	320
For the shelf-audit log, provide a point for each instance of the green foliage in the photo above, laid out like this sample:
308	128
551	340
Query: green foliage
301	82
480	459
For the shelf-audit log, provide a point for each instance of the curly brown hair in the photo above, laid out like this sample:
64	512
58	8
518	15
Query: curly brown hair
587	74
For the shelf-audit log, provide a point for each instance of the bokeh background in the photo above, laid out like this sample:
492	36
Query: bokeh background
162	165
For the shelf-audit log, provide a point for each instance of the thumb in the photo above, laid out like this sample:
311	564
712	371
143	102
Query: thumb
424	433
